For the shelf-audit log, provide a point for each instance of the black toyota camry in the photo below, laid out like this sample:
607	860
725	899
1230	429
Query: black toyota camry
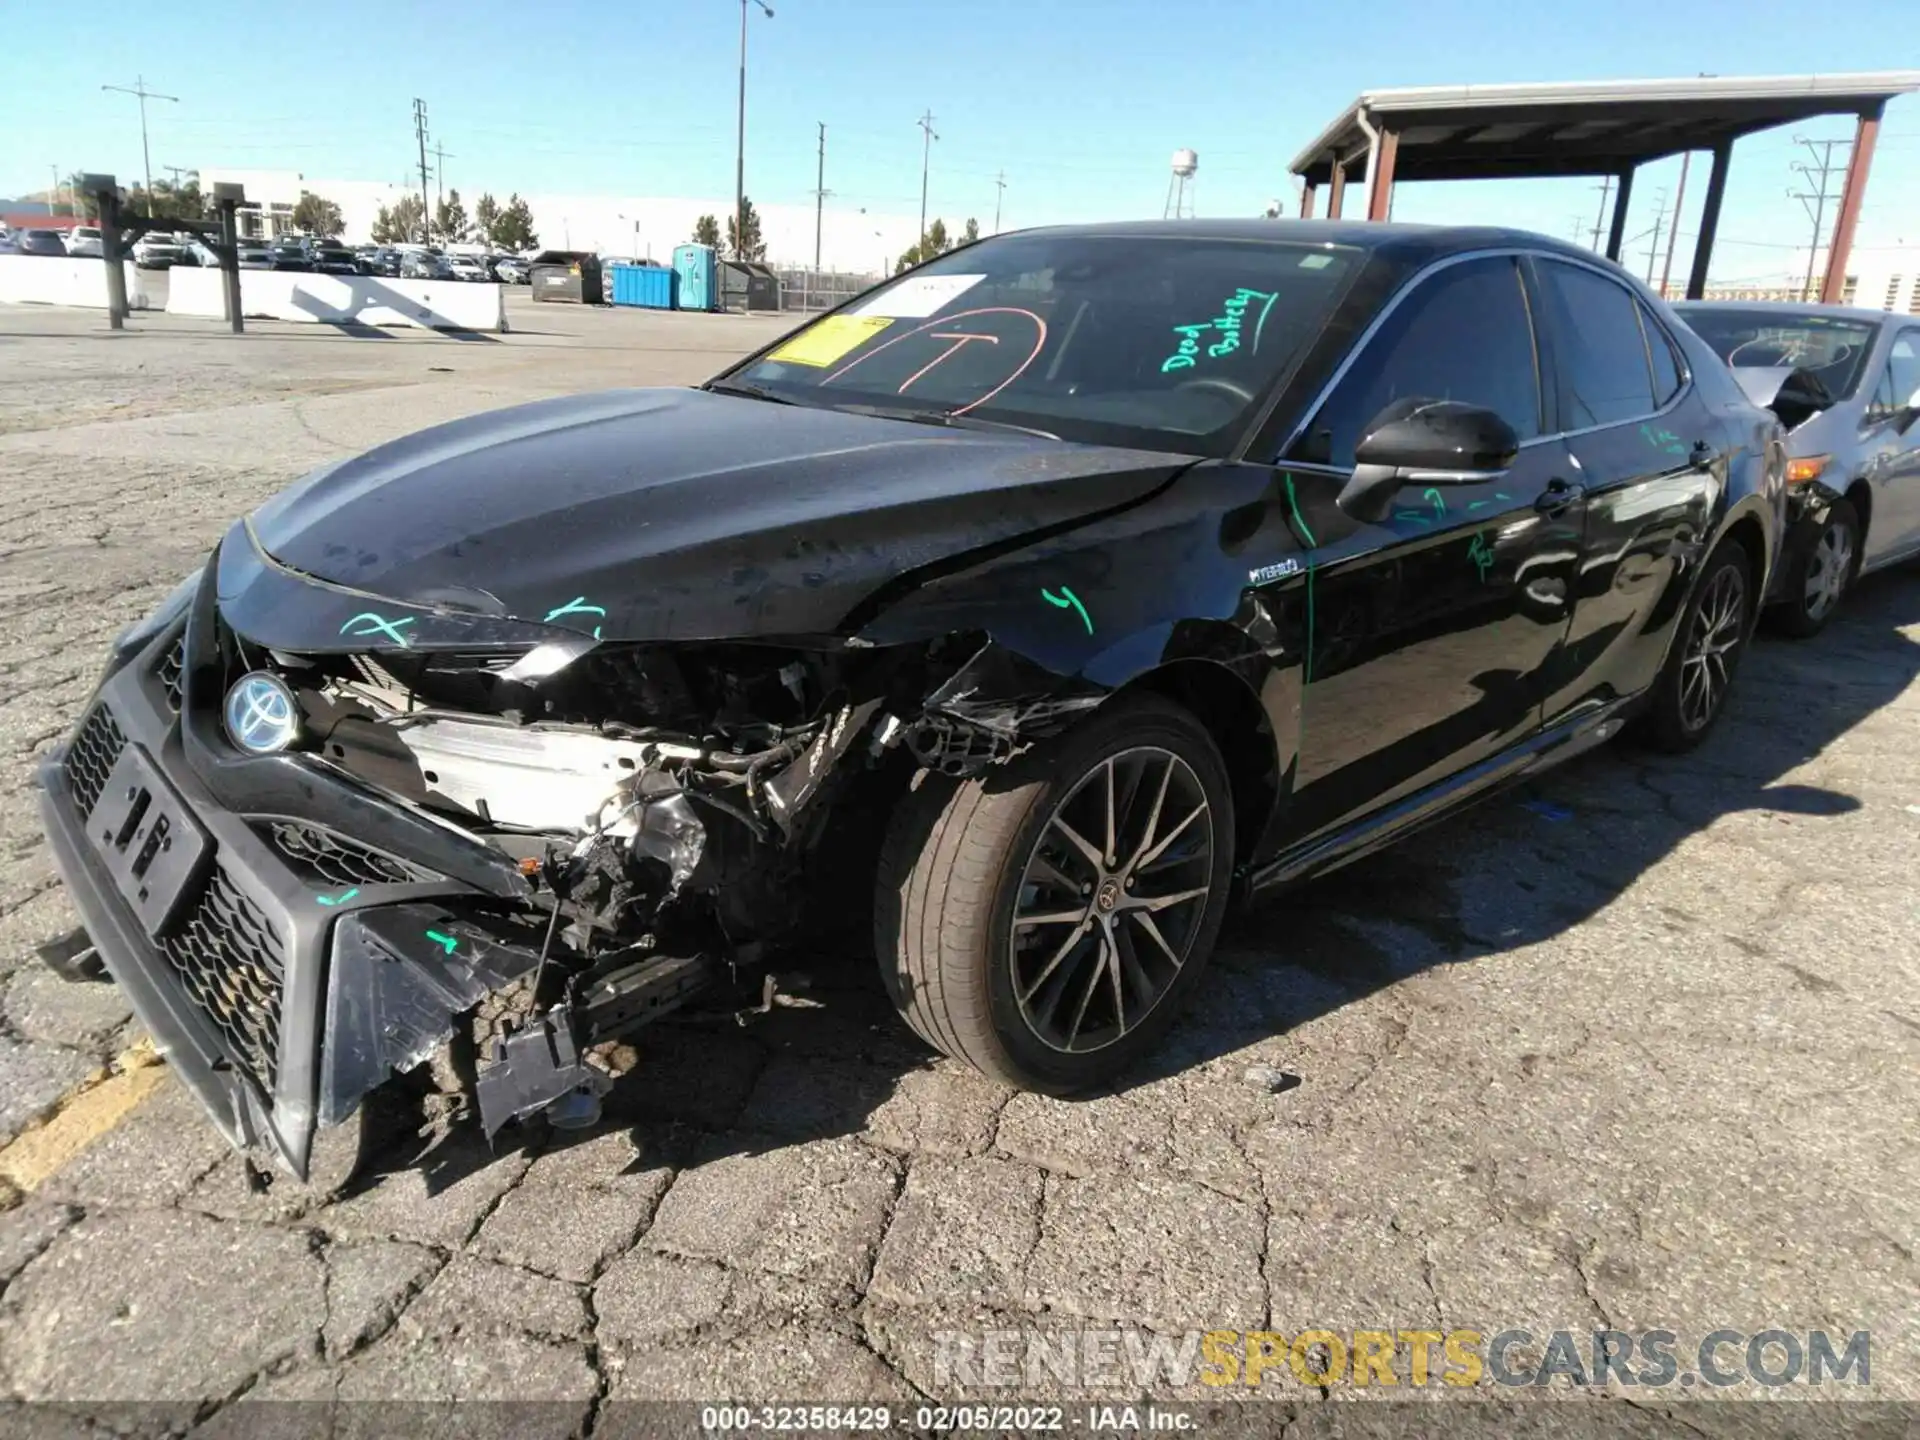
1030	606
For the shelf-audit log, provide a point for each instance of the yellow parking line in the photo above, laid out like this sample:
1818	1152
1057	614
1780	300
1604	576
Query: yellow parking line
82	1118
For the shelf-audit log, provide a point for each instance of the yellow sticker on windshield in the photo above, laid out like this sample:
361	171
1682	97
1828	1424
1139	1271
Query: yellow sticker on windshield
823	343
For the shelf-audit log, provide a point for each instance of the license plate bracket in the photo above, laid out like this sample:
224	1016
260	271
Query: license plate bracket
149	841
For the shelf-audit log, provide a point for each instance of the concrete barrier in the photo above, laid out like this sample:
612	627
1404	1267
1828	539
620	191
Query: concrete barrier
343	299
65	280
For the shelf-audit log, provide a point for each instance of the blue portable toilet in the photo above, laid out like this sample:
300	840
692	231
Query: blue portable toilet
694	265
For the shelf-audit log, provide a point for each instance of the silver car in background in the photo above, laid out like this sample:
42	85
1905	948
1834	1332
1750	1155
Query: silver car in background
1846	384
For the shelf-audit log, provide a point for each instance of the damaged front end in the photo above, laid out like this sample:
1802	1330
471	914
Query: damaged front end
490	848
667	805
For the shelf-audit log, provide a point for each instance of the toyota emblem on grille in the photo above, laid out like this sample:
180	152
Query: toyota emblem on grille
261	716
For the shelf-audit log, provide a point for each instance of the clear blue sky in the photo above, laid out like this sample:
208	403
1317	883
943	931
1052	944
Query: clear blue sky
1080	103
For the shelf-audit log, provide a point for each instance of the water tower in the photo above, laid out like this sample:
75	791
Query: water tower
1180	187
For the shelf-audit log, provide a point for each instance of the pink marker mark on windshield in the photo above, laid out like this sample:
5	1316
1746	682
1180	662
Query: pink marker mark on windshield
959	341
1039	344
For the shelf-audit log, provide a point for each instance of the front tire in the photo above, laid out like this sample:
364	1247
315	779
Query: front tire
1823	575
1691	692
1046	921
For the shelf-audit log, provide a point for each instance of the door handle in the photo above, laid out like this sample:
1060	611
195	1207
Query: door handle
1557	496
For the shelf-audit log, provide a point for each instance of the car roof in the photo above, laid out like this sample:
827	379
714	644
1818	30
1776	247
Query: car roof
1396	239
1788	307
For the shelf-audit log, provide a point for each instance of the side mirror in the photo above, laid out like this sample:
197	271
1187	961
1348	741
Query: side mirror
1439	442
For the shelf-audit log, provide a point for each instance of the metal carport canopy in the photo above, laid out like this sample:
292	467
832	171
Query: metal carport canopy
1498	132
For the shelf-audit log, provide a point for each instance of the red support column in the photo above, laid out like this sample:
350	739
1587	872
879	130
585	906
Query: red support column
1306	200
1380	193
1840	247
1336	189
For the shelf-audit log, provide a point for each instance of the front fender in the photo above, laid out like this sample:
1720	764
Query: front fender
1108	601
1209	571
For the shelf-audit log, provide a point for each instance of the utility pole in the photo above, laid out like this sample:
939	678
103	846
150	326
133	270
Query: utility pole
1000	193
1815	201
420	134
926	154
1606	190
176	171
820	195
1673	231
139	87
440	171
1653	245
53	193
740	151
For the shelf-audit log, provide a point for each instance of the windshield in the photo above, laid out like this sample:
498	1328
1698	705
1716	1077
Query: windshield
1833	349
1150	341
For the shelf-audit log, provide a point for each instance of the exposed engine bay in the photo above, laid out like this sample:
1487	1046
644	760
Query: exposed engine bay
667	803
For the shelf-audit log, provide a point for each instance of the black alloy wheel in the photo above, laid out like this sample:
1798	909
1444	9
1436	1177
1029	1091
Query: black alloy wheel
1710	638
1046	920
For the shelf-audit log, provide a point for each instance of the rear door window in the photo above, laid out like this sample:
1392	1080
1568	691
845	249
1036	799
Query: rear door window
1666	366
1600	349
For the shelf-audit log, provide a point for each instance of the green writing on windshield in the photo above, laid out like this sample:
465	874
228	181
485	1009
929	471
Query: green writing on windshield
1225	330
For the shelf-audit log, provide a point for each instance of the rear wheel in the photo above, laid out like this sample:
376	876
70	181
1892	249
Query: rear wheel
1823	575
1712	636
1046	921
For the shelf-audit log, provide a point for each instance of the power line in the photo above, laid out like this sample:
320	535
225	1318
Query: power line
440	172
926	155
1815	202
820	193
1679	199
420	134
1653	245
1606	189
139	87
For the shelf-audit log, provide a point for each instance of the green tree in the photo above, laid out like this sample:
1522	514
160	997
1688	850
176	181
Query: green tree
450	224
314	215
513	230
748	245
82	202
399	224
934	242
486	215
706	231
170	201
972	232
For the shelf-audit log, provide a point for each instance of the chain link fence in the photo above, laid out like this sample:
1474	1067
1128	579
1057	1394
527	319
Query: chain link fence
812	290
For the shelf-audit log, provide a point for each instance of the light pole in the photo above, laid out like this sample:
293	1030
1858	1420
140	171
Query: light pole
740	151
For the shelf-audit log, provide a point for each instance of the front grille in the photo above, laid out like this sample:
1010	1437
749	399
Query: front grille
170	669
90	759
230	961
329	858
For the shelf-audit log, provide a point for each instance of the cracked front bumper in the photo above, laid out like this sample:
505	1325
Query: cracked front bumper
283	964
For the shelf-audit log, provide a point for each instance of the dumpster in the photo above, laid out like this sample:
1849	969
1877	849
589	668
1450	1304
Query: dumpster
694	265
567	275
648	286
748	285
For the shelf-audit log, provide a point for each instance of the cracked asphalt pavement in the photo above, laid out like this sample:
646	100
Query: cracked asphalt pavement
1633	1048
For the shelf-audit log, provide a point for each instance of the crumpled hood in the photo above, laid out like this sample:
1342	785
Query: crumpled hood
680	514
